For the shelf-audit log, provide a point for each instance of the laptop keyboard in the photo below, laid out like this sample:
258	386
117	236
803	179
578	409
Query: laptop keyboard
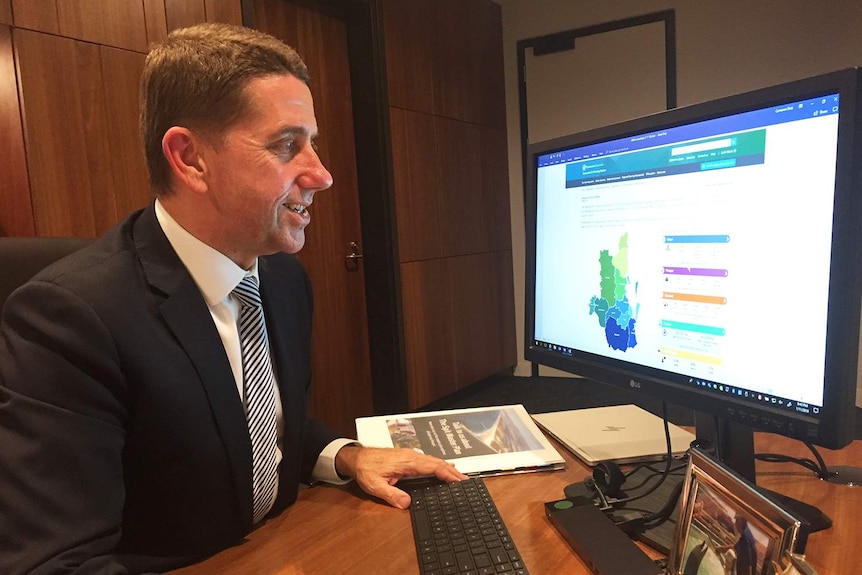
458	530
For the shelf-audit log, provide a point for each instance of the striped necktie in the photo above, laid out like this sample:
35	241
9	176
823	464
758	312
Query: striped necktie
258	382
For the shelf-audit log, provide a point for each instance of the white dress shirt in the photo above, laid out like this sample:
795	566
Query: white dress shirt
216	275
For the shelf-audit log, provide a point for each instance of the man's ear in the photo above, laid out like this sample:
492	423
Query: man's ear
183	150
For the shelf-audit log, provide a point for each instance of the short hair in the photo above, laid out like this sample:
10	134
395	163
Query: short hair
197	77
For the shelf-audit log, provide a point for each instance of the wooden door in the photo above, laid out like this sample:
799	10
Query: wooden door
341	386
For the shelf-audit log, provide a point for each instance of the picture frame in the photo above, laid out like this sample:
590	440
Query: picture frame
726	526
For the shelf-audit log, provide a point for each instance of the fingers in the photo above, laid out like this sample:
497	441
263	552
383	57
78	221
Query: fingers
384	488
447	472
428	465
378	470
394	497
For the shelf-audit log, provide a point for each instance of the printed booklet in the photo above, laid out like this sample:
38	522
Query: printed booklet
478	441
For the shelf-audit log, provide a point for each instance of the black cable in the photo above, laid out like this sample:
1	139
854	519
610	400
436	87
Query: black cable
819	467
824	472
779	458
662	514
650	520
668	460
683	464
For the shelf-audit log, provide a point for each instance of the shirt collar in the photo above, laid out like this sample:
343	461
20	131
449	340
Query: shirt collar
214	273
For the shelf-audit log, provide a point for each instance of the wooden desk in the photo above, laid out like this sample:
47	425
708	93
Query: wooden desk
333	530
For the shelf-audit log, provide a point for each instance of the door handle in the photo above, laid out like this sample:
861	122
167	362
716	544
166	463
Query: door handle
352	259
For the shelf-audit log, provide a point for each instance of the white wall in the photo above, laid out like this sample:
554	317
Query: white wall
723	48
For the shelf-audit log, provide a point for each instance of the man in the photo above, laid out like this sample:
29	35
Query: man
130	374
745	548
740	556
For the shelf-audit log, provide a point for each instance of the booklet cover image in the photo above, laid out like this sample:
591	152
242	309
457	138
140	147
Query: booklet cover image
450	436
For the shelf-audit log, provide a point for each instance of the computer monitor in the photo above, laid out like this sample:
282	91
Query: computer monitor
709	256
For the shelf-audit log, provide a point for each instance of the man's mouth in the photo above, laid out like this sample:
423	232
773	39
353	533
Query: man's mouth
298	208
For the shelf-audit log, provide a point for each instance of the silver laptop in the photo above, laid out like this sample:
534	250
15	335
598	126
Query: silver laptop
619	433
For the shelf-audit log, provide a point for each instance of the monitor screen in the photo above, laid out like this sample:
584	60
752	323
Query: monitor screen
708	256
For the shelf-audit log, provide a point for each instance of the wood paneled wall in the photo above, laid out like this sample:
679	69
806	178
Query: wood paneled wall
444	66
15	209
6	12
69	73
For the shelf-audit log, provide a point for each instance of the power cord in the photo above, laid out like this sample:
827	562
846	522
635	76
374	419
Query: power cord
818	467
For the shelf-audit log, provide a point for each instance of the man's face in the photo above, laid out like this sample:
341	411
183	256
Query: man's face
264	173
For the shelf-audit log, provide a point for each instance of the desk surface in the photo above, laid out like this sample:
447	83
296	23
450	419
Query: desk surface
333	530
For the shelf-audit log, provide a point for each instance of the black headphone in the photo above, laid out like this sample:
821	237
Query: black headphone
608	478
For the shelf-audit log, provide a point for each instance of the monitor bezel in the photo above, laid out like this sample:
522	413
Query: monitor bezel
834	428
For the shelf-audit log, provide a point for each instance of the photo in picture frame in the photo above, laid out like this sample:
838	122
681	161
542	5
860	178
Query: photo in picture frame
727	527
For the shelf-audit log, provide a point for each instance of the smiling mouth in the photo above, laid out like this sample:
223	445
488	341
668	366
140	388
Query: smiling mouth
298	208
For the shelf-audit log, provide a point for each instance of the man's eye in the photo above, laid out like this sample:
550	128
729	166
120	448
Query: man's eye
291	145
285	148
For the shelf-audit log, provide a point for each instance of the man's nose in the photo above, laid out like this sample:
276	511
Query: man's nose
315	175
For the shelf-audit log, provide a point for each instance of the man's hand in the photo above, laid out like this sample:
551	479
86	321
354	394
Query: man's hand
377	470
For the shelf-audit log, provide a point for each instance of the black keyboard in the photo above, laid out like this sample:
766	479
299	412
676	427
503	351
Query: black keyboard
458	531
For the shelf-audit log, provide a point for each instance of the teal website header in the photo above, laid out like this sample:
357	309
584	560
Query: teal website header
743	149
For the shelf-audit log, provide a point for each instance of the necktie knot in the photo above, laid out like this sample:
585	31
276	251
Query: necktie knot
248	292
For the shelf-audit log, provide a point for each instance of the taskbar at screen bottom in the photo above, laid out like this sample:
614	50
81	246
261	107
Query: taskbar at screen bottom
789	405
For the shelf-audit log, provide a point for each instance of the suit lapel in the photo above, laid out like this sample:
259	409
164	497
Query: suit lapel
287	310
187	315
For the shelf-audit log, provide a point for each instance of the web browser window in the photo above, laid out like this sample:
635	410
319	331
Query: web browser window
703	249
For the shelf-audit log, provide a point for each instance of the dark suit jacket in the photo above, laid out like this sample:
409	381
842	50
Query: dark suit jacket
123	440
